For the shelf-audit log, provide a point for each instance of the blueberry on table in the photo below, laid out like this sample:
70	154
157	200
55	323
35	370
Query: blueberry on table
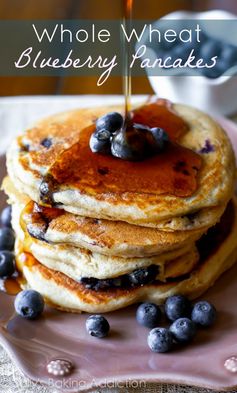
160	340
183	330
7	239
148	315
6	217
97	326
100	142
7	264
29	304
204	313
111	122
177	306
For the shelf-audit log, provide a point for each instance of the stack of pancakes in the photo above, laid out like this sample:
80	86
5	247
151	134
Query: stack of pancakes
96	250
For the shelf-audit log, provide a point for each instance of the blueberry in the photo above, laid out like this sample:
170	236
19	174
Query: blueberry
183	330
29	304
148	315
166	45
214	72
7	263
111	122
7	239
46	142
161	138
182	51
97	326
177	306
210	48
133	144
143	276
204	313
160	340
6	217
229	55
100	141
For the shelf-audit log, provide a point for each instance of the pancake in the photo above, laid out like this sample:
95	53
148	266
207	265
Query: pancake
67	294
80	262
29	162
77	263
112	238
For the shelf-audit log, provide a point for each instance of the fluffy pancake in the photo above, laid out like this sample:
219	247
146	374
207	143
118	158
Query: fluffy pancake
27	166
70	295
113	238
80	262
77	263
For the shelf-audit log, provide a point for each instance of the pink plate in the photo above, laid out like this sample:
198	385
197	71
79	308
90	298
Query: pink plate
123	357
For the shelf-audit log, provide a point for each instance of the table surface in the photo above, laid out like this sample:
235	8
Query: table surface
16	114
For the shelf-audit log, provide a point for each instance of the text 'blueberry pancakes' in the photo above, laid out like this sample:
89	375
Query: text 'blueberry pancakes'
111	211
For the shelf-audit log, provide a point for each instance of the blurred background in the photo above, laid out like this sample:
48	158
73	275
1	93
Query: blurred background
90	9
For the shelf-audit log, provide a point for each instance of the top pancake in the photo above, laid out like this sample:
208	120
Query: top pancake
27	166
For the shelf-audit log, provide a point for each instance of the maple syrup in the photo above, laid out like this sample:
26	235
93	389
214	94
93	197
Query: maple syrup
127	80
10	285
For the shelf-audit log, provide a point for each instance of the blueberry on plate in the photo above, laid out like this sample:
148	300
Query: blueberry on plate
97	326
7	239
7	264
160	340
148	315
204	313
29	304
100	141
161	138
177	306
111	122
6	217
183	330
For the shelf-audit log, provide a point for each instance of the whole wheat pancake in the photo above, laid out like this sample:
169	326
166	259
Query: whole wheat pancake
80	262
113	238
67	294
77	263
29	161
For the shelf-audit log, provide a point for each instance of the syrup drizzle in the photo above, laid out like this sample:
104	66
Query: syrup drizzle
127	80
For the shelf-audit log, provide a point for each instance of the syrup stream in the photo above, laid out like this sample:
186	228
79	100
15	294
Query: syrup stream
127	80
